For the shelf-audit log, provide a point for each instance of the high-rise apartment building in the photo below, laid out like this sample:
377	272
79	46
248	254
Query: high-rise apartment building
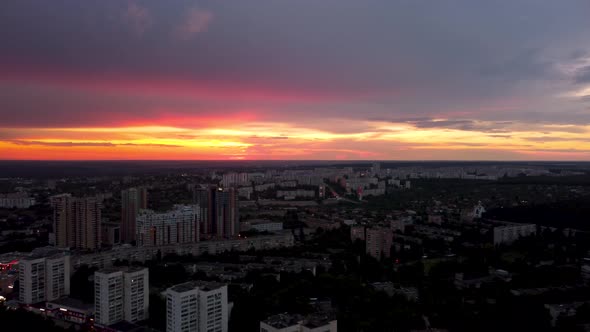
44	277
219	211
204	197
121	294
227	213
197	307
233	179
132	201
136	294
76	222
32	281
61	219
379	242
179	225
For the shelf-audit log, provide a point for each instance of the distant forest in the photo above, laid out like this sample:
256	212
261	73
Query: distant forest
561	214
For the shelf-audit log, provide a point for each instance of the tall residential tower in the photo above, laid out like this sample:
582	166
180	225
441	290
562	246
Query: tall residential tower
177	226
121	295
197	307
44	277
76	222
132	200
219	211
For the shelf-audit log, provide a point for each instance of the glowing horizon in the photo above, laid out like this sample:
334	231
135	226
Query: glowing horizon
130	80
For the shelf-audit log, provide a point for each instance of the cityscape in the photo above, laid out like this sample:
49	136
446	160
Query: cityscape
364	246
295	166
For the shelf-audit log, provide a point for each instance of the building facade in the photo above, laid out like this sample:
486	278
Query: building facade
106	258
297	323
227	213
16	200
76	222
197	307
219	211
121	295
44	278
111	233
379	242
177	226
511	233
132	201
204	197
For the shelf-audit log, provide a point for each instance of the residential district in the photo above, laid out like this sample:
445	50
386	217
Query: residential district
322	248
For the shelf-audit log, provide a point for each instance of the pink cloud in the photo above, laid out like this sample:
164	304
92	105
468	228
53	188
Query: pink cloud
138	17
196	21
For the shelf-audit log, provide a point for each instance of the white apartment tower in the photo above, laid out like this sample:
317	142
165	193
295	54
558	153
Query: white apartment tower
58	276
197	307
108	297
136	295
121	294
176	226
32	280
44	278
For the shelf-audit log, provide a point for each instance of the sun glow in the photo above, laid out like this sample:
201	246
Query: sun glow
279	140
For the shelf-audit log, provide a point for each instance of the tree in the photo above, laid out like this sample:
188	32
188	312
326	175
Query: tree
22	320
81	286
157	312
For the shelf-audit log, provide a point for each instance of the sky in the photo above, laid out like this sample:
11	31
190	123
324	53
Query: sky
295	79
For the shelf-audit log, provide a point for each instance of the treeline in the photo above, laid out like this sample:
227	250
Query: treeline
562	214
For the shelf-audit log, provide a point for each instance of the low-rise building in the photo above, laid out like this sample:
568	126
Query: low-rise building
510	233
299	193
297	323
106	258
262	225
16	200
281	323
70	310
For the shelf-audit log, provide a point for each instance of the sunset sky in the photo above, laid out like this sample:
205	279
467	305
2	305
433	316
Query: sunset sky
298	79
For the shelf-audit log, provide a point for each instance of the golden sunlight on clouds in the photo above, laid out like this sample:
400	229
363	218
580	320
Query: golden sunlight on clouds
259	140
580	93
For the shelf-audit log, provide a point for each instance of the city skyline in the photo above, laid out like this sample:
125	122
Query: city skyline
300	80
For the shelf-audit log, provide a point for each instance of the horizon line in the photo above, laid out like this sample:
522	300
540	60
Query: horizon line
295	160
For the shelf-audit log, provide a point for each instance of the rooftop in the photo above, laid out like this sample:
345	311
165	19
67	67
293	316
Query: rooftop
262	221
284	320
45	252
317	320
125	269
202	285
73	303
